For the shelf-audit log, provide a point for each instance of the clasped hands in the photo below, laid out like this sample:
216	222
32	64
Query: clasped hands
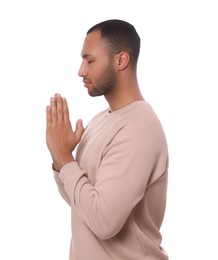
61	140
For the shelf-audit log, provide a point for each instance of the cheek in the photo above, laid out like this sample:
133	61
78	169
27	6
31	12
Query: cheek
99	71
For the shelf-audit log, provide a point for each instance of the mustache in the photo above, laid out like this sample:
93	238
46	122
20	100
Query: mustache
86	80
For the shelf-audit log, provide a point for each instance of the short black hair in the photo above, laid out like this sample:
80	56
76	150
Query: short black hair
120	36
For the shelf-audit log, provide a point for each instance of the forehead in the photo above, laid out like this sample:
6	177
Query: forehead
93	44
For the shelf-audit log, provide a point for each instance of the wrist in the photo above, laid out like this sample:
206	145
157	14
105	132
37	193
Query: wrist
55	167
65	160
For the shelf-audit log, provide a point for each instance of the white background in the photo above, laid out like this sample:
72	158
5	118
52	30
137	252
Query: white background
40	44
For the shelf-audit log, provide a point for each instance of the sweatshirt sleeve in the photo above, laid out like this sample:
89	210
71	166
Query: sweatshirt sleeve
61	189
126	167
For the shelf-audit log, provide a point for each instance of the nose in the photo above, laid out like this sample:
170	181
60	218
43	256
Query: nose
82	70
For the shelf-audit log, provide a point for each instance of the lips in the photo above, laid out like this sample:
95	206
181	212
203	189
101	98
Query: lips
86	82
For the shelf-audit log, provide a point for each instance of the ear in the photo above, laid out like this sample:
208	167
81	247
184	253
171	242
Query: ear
122	60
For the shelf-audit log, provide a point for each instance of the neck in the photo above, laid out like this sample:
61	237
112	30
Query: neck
124	97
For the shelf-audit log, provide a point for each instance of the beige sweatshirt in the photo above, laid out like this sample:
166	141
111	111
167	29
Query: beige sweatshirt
117	188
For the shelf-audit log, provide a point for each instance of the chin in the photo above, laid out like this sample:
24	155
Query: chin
93	93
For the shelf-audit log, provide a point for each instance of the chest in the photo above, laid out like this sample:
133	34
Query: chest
90	151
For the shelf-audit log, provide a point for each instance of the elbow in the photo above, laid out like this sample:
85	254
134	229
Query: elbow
106	230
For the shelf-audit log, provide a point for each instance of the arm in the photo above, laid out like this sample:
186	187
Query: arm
121	182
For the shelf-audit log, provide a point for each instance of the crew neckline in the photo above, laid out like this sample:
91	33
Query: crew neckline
122	109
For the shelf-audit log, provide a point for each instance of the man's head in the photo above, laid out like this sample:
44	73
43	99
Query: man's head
109	49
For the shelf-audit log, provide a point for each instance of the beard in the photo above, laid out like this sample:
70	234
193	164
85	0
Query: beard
105	83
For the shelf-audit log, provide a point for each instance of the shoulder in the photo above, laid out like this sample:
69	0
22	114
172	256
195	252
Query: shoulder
140	114
140	126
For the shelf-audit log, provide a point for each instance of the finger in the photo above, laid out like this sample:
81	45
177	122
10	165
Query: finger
79	130
66	111
53	110
48	116
59	108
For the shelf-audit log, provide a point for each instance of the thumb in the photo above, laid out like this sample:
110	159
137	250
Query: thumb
79	129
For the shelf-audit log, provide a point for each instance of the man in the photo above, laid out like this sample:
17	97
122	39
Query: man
116	185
